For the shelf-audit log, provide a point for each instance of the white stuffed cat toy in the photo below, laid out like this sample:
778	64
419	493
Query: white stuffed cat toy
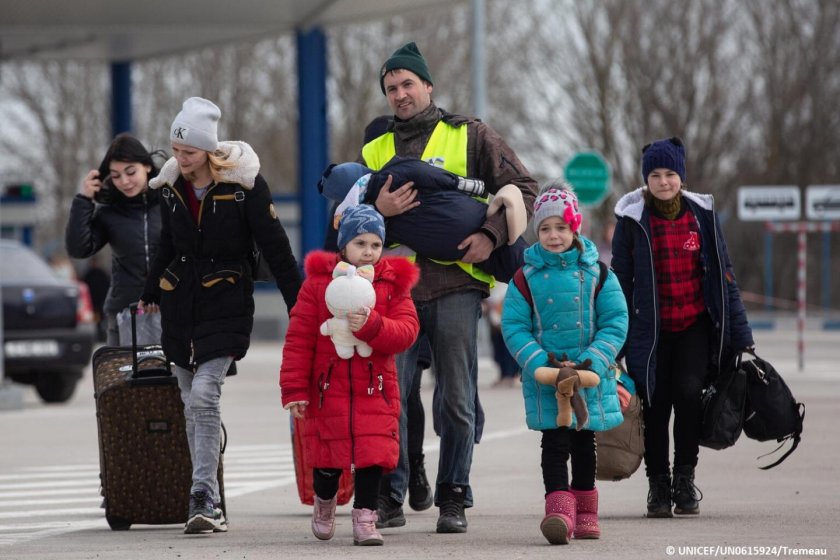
351	289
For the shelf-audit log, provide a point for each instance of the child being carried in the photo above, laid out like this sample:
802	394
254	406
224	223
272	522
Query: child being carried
451	209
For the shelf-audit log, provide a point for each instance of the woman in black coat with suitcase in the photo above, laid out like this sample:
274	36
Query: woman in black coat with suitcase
215	207
115	207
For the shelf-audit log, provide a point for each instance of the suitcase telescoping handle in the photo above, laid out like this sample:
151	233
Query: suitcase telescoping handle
136	371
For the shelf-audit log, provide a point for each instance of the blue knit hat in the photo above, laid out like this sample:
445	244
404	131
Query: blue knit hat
357	220
668	153
339	179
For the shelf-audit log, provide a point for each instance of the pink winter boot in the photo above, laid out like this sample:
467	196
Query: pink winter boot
559	522
364	528
586	524
323	518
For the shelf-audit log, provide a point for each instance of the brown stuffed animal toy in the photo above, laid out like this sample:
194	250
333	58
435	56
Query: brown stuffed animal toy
568	379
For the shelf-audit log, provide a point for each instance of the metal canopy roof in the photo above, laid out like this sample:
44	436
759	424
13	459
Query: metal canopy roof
117	31
123	30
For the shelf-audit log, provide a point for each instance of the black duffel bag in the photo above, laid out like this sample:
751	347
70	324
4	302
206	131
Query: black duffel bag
772	412
723	409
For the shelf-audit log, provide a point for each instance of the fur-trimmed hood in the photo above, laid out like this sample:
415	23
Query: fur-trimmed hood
244	173
632	204
399	271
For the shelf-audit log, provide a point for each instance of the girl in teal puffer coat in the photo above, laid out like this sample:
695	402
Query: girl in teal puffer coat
566	316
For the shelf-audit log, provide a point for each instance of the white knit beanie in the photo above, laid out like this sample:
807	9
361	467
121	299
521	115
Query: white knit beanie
196	125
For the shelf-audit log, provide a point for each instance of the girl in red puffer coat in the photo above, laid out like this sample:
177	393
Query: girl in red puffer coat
350	407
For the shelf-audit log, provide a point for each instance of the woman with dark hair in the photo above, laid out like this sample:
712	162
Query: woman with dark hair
114	206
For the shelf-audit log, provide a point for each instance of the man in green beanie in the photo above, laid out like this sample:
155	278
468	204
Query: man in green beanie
448	296
407	57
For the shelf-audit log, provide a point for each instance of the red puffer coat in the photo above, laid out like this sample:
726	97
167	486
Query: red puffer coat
354	405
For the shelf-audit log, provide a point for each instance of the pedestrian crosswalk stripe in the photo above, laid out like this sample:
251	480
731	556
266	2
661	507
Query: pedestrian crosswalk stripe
60	492
51	483
83	473
64	512
52	501
33	499
63	468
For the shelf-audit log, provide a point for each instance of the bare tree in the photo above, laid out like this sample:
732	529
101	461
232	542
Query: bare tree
357	53
50	140
253	83
751	90
795	54
643	79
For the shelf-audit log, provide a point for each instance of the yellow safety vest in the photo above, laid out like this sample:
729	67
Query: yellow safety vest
447	148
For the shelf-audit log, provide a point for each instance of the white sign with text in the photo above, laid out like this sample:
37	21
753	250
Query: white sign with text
822	202
763	203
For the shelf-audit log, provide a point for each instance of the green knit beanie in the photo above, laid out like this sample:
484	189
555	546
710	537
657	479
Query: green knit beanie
407	57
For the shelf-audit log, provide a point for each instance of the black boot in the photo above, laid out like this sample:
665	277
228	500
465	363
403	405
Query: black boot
686	495
389	512
452	518
659	496
419	492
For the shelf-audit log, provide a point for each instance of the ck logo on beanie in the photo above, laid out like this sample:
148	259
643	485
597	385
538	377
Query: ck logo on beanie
197	124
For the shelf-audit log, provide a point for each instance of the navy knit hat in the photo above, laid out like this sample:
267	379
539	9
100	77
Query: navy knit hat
339	179
407	57
668	153
357	220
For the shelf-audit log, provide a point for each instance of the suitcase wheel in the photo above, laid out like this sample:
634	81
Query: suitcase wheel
118	523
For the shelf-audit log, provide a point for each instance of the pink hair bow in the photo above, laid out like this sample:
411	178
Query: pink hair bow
572	218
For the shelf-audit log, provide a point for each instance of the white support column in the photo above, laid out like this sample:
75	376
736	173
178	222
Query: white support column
478	59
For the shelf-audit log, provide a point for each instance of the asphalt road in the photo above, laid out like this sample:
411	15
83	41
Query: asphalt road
49	500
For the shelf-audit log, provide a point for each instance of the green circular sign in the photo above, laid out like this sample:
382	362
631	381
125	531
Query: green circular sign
589	174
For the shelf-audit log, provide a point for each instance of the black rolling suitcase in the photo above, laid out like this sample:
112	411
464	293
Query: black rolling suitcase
144	456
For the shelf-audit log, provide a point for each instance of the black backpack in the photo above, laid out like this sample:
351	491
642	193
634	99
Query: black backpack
771	412
723	407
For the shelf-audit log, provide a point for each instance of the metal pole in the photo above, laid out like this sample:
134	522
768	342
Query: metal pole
479	65
801	277
768	268
826	270
313	136
120	97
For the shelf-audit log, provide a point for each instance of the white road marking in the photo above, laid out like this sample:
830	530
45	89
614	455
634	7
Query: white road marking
248	469
32	499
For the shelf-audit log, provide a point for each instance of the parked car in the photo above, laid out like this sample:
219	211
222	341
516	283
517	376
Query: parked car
48	324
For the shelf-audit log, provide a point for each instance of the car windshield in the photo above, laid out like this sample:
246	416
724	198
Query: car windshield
19	264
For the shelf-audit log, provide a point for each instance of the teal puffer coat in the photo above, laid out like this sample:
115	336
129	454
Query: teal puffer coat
566	317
